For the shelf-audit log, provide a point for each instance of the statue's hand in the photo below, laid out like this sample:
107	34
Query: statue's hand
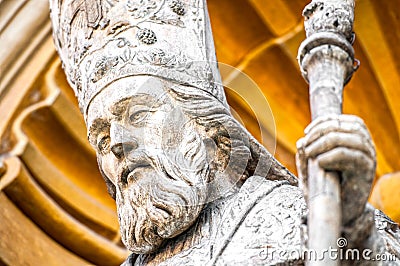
340	143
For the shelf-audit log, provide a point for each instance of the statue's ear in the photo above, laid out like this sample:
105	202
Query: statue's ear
110	186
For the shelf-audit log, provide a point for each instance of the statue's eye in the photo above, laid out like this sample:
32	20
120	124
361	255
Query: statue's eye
104	144
138	115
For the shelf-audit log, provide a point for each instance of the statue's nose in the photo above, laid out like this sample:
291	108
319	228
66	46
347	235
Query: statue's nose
121	150
122	142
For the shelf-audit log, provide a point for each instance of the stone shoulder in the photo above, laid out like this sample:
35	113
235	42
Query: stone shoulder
263	226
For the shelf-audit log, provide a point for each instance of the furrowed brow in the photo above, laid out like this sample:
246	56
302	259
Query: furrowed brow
122	106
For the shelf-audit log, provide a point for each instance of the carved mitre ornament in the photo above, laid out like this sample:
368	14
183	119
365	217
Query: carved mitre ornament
102	41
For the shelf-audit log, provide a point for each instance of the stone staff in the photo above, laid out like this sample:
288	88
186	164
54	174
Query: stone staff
326	59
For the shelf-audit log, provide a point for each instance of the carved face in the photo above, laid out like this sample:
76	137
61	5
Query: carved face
154	157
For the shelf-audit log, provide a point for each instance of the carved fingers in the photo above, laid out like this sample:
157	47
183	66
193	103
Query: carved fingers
344	159
346	124
340	143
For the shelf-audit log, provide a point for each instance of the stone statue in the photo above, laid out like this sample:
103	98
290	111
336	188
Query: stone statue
192	186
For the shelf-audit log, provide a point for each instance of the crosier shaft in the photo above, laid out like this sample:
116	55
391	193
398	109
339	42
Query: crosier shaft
326	59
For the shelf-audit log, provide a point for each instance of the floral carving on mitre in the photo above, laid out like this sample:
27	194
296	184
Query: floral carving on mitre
160	57
141	8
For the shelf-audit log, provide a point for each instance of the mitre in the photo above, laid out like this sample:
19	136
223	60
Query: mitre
101	42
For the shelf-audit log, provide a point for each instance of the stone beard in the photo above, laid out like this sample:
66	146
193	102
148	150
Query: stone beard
162	200
154	208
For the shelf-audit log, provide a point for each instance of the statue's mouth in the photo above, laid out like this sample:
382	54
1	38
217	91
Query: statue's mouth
129	174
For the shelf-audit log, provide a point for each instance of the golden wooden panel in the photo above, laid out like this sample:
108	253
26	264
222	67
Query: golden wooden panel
237	27
55	221
386	195
378	28
23	243
276	14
